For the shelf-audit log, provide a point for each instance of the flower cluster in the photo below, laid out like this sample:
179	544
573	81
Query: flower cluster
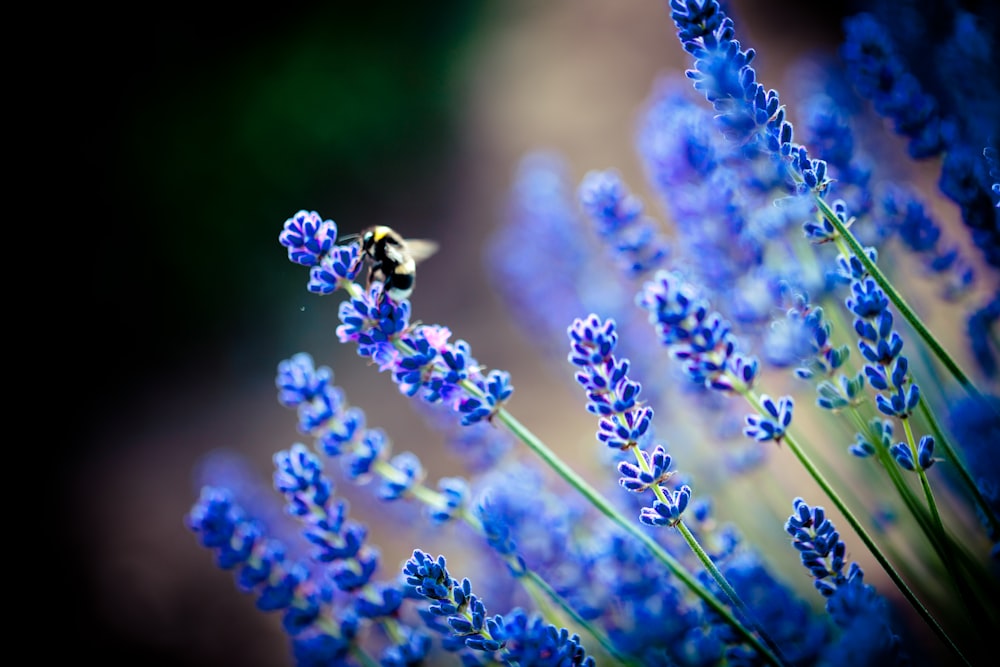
340	431
624	422
240	543
420	357
748	113
521	640
904	91
848	599
773	247
701	339
635	239
881	345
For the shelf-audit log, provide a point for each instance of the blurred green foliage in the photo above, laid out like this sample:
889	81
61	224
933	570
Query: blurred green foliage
181	142
324	108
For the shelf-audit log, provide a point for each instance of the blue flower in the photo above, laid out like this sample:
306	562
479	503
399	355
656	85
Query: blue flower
947	108
762	428
379	600
747	113
846	392
802	635
887	370
903	212
981	326
656	471
667	512
703	341
464	612
498	390
413	648
530	526
853	605
621	430
374	323
323	650
867	637
976	425
239	543
637	245
532	641
880	75
903	454
308	494
409	472
454	494
308	237
299	475
496	526
337	268
299	381
864	445
542	229
742	197
819	545
522	640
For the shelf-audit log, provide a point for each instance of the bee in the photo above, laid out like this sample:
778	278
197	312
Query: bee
393	259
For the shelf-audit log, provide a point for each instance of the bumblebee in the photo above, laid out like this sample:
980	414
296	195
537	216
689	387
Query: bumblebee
393	259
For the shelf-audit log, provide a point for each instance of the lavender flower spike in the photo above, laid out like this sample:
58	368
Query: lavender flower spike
624	421
852	604
241	545
700	339
516	639
747	113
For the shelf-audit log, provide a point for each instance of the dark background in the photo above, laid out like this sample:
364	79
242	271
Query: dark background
188	134
158	153
168	146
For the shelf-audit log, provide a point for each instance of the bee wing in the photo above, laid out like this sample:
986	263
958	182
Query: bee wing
420	249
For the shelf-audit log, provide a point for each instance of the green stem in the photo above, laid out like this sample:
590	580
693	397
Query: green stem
362	656
945	548
633	528
894	296
434	498
814	472
706	561
605	507
532	578
963	472
711	567
928	494
948	551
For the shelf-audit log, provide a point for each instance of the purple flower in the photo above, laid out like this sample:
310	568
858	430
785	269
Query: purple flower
924	459
308	237
636	244
772	427
240	544
702	340
336	269
667	512
299	381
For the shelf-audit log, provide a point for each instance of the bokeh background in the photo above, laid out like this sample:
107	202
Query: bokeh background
185	139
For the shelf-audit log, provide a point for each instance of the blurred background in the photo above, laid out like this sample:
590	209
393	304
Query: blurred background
185	139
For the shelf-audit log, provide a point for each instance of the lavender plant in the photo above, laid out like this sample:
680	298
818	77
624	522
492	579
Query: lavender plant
772	247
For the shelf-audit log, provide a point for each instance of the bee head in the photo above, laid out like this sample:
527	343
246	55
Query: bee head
373	235
368	240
